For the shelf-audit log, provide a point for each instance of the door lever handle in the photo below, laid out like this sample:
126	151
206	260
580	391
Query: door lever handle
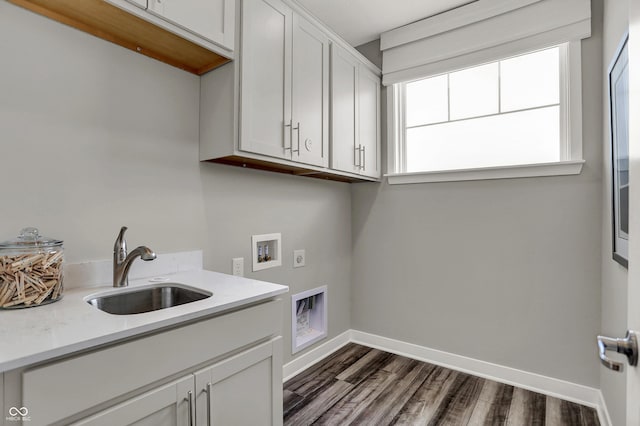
627	346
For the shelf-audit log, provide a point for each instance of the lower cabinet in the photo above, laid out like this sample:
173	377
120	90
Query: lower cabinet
245	389
166	405
232	392
221	370
2	410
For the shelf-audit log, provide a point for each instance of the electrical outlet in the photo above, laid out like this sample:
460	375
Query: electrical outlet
299	258
238	266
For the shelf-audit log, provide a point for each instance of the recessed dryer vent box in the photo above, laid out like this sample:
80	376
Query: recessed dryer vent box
266	251
308	318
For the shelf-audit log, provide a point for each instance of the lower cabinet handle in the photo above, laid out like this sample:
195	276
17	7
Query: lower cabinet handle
190	402
209	385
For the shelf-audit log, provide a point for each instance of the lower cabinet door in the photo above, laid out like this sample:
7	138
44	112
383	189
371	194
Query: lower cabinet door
167	405
245	389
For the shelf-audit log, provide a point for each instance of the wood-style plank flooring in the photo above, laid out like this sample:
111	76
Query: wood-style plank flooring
363	386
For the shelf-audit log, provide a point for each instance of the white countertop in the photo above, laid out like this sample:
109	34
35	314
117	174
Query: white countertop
36	334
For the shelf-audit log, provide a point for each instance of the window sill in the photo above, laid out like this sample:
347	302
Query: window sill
561	168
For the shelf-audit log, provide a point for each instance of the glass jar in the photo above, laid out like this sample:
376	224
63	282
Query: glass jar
30	270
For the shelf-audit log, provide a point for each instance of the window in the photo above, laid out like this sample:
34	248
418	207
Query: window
508	118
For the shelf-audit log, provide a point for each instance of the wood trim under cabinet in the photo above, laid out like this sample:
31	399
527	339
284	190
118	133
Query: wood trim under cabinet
251	163
110	23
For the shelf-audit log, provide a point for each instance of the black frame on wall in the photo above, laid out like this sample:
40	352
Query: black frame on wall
619	126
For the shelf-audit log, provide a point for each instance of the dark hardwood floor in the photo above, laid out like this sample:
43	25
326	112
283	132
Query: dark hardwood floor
363	386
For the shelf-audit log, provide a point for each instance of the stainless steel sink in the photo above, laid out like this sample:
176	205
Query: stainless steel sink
147	299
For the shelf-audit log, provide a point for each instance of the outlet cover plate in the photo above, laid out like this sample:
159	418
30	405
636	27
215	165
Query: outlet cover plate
299	258
237	266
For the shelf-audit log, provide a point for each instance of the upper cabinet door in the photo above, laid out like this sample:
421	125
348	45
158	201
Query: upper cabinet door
310	94
265	121
345	154
210	19
369	121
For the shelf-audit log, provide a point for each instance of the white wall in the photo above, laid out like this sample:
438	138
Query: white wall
311	214
614	276
372	52
94	136
505	271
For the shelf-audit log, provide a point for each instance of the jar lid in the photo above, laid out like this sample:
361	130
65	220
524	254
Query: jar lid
30	237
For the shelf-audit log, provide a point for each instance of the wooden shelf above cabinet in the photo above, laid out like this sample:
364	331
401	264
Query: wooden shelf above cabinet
110	23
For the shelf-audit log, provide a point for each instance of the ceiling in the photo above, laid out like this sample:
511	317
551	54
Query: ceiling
361	21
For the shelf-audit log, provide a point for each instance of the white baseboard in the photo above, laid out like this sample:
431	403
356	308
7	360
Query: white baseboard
318	353
568	391
562	389
531	381
603	412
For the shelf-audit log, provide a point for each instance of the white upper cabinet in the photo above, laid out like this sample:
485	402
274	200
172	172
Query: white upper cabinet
355	107
369	122
211	19
345	155
266	78
193	35
310	94
284	84
298	100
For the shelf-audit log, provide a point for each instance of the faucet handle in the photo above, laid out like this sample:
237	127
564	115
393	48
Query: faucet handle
120	246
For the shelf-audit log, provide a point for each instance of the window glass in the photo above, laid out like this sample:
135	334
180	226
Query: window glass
474	92
427	101
498	114
530	81
524	137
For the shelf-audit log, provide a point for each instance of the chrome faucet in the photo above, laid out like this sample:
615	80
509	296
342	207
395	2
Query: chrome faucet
122	262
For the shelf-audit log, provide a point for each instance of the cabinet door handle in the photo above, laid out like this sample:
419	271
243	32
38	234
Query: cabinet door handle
208	391
284	140
298	129
357	154
364	158
189	400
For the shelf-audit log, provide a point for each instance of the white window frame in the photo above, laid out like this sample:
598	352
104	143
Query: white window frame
571	160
